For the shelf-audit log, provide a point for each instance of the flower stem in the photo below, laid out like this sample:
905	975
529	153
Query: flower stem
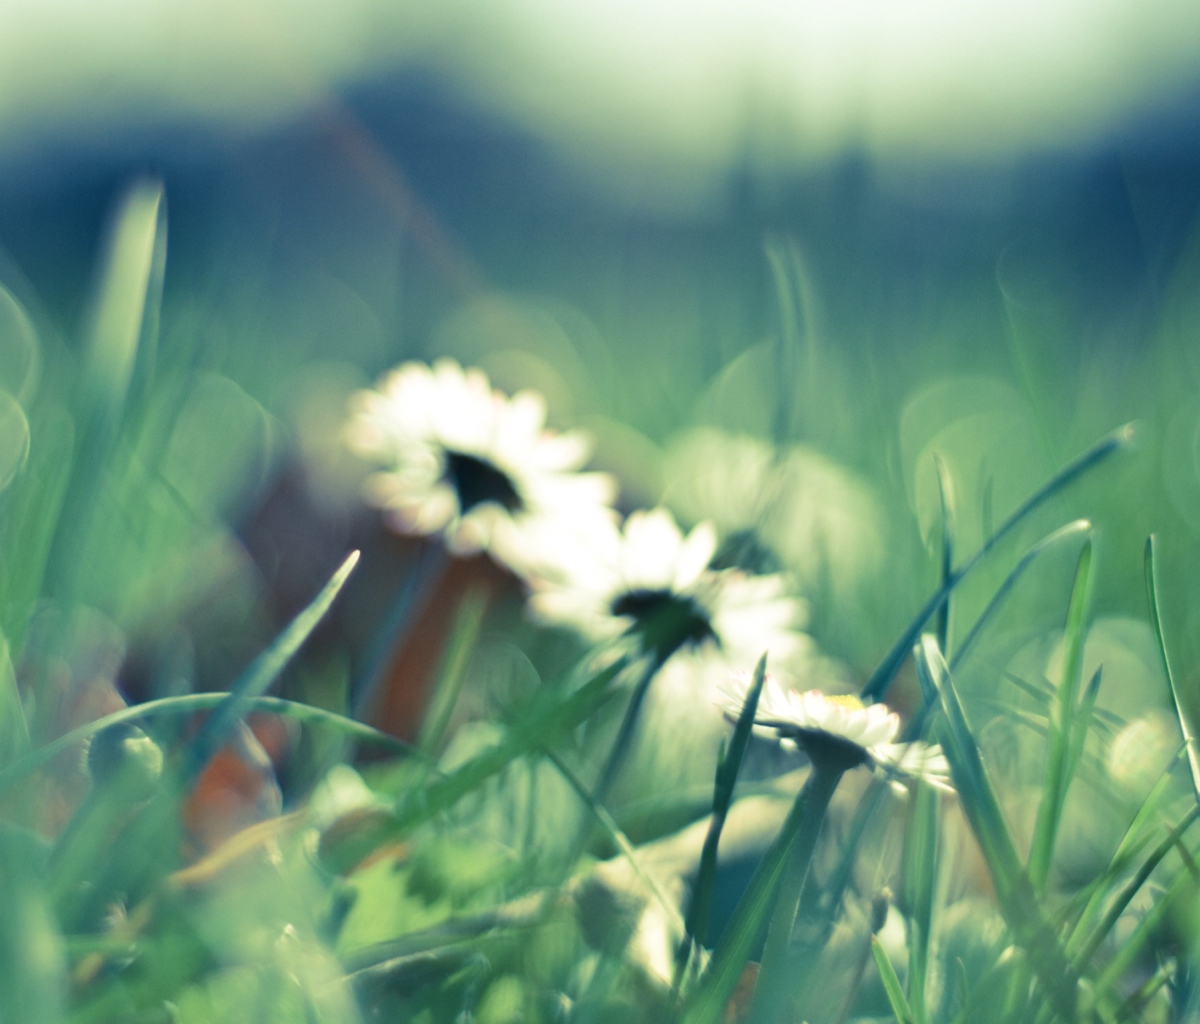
620	747
771	990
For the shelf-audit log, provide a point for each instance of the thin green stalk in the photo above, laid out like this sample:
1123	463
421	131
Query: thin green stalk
620	840
398	622
1136	836
834	891
771	991
1140	998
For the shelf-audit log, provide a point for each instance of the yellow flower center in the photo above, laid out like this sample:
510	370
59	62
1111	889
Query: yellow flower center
846	700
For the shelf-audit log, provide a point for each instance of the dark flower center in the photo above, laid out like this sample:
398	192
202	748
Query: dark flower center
665	620
476	481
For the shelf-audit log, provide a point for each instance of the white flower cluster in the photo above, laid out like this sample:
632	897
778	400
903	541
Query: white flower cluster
461	460
864	731
465	461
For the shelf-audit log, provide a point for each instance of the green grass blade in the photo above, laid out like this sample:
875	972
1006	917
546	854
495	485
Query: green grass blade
1186	723
125	280
1010	581
536	725
126	283
1015	894
1133	887
946	500
1140	998
727	774
262	673
919	878
453	671
891	984
877	685
1062	716
819	926
1135	839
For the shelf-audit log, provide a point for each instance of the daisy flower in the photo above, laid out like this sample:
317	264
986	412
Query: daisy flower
652	580
839	729
465	461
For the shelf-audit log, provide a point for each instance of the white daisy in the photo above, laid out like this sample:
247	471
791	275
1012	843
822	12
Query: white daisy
651	579
463	460
838	727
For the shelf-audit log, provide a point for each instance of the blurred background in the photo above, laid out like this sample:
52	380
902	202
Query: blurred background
778	257
976	224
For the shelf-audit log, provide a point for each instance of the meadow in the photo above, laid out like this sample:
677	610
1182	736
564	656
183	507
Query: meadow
526	665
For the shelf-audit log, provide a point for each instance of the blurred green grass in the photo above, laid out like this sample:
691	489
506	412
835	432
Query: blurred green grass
137	453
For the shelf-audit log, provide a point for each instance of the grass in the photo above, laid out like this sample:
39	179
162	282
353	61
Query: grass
486	871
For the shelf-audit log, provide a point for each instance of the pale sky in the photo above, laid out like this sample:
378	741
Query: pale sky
628	88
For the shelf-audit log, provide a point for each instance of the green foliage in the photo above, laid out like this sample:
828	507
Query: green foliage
494	871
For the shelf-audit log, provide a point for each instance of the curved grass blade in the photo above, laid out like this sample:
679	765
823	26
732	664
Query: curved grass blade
877	685
261	674
727	773
1015	894
189	704
1062	724
1186	725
